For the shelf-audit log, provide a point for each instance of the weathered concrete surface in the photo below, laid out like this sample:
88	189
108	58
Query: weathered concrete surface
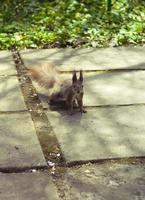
11	98
30	186
88	59
19	146
102	133
7	66
108	88
115	88
104	182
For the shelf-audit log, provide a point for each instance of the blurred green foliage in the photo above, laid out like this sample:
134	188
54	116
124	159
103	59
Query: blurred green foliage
61	23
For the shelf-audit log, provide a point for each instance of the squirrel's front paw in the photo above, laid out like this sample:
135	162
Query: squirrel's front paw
70	112
83	111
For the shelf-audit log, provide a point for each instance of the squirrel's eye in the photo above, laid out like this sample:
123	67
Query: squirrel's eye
74	86
82	86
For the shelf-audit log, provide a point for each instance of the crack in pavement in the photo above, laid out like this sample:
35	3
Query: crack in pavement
9	170
44	131
104	70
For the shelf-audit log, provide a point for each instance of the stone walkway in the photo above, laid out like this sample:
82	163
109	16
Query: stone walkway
20	150
88	59
111	132
113	127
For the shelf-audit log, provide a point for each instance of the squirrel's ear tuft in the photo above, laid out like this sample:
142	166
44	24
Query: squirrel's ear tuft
81	76
74	78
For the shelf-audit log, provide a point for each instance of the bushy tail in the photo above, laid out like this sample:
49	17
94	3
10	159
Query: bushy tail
48	77
45	75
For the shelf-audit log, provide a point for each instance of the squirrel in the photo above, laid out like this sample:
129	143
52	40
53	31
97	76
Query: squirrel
71	92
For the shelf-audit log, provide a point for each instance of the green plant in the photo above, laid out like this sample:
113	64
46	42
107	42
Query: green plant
44	24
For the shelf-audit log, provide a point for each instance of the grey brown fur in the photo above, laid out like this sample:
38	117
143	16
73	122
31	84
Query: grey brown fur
70	91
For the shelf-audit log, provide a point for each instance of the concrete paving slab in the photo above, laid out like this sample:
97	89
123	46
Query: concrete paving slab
69	59
7	66
102	133
19	146
30	186
11	98
109	182
108	88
